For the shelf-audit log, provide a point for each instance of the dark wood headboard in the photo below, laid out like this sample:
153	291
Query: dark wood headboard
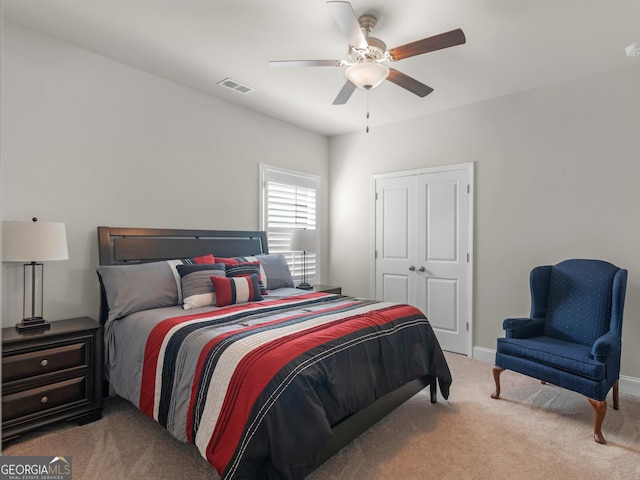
122	246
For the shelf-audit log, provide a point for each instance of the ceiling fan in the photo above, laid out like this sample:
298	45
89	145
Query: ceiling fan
366	54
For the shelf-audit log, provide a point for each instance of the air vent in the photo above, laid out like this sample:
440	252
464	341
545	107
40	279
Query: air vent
237	86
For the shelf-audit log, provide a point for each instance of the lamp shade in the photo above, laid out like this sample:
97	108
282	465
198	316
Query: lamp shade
34	241
367	75
303	240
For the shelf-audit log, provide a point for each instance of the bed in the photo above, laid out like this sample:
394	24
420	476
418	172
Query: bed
268	381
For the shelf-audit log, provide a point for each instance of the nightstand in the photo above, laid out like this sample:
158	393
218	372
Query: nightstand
327	289
51	375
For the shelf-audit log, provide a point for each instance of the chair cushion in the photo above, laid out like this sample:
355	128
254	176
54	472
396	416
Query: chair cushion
579	304
567	356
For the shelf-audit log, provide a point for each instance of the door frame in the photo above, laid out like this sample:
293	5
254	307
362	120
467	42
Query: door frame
469	168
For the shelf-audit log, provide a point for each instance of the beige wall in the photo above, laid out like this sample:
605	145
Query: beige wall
89	141
557	173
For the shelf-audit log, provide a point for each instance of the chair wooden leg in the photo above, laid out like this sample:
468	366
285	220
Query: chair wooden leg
600	410
496	376
616	396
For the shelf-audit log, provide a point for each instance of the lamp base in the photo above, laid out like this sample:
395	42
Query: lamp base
305	286
31	324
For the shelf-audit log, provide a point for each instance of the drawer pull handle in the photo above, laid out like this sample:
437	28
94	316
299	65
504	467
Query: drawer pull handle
44	399
44	363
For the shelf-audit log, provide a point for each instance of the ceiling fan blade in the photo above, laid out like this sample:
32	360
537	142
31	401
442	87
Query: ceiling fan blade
345	93
429	44
348	23
408	83
305	63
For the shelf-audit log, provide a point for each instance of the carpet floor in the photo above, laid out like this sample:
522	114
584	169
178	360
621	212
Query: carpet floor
533	431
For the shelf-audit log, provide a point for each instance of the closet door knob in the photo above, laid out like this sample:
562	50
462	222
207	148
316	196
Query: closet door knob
421	269
412	268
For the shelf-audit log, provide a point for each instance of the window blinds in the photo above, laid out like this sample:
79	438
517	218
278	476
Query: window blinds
290	202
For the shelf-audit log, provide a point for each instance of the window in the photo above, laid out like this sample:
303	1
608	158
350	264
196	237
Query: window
289	200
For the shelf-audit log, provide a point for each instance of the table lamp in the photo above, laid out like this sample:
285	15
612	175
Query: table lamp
303	241
33	242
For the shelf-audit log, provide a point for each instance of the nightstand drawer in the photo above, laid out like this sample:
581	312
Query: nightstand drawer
35	401
56	359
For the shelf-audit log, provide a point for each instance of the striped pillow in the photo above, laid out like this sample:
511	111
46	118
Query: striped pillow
202	260
197	289
243	269
233	290
274	270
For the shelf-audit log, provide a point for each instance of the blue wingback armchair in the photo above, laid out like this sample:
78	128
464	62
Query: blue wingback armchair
573	338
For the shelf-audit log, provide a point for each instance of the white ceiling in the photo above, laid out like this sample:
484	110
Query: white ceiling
512	45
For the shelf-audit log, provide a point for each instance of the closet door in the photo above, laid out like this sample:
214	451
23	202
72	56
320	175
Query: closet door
396	239
422	248
443	270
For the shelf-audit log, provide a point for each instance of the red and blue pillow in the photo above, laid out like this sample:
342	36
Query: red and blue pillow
238	289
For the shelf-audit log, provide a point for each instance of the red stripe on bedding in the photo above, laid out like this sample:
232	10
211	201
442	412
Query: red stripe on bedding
247	383
214	341
160	331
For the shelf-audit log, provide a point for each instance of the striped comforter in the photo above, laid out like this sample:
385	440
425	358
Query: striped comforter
256	387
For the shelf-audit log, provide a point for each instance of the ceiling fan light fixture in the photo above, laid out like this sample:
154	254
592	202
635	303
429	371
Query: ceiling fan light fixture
367	75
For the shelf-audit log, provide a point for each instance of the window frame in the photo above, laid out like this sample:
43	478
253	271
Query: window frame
294	178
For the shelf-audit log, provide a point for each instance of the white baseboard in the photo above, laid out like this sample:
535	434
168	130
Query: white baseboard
630	385
484	354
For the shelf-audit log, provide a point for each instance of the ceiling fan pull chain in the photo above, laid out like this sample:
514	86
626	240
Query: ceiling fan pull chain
367	131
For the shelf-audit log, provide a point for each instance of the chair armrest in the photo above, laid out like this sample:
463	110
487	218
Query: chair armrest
607	344
523	327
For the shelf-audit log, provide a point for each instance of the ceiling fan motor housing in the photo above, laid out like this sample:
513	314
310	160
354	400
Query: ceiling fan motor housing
376	50
367	23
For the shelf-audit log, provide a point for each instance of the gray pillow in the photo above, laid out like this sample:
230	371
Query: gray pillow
276	271
131	288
